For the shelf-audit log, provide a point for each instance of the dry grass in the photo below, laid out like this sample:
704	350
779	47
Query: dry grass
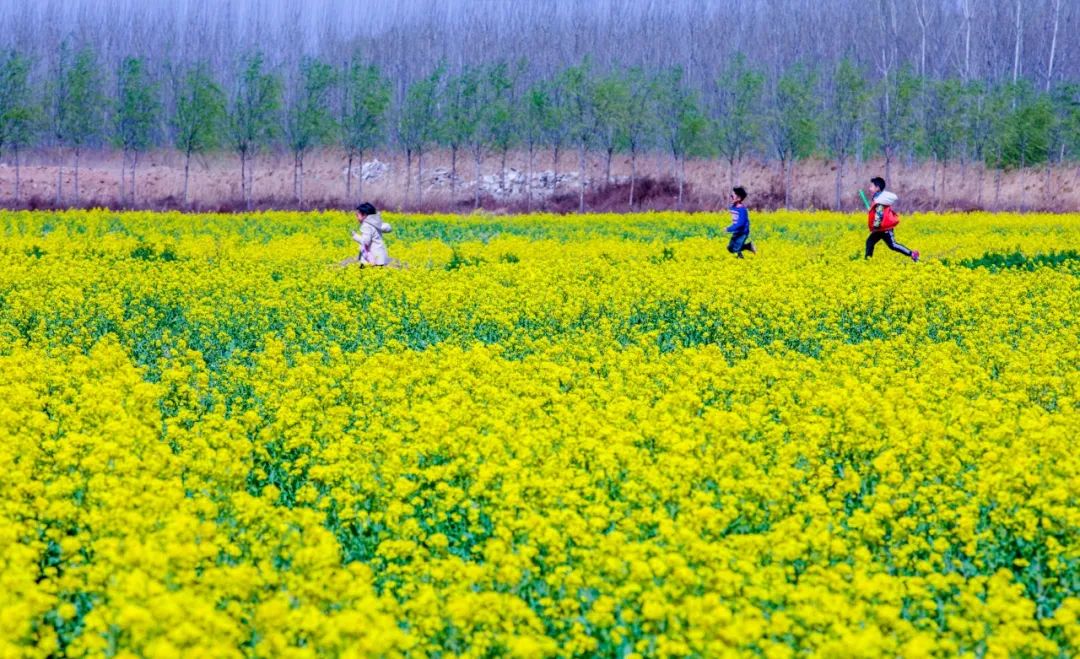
215	184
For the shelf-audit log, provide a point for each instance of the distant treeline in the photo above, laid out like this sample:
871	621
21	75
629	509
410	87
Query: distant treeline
838	111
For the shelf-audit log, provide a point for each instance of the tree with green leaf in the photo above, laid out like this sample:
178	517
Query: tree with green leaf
366	97
558	130
309	119
684	122
199	117
1067	104
737	112
611	103
418	125
1026	131
978	123
845	109
576	84
944	128
16	109
79	105
502	126
793	123
1000	103
253	116
896	97
642	123
473	120
538	114
459	117
490	118
1065	128
137	114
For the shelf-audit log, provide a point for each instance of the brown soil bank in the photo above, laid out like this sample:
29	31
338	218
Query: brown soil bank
548	185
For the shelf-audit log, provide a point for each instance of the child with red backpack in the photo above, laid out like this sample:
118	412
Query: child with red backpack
882	219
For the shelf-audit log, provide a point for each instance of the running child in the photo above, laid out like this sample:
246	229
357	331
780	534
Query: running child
372	247
740	224
882	219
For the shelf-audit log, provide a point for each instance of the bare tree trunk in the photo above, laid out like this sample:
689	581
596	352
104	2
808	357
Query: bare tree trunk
1046	185
607	167
243	179
787	166
633	175
296	177
502	172
18	179
967	40
360	181
60	179
476	185
944	173
839	181
251	184
300	181
419	177
888	163
682	177
408	174
453	172
78	152
529	181
123	176
348	177
134	164
997	188
555	171
933	181
581	177
921	14
1053	44
979	194
1019	36
187	169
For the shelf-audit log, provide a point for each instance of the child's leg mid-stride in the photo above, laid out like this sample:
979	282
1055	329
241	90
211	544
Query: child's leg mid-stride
890	241
740	243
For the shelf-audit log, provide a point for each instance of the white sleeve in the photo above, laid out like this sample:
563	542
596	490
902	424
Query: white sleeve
367	234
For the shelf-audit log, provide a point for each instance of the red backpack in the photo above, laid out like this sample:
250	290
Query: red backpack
889	218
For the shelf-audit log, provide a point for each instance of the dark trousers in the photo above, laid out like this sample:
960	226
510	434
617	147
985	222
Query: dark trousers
889	239
739	243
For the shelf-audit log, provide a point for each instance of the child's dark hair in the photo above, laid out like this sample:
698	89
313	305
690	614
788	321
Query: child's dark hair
878	181
740	192
366	209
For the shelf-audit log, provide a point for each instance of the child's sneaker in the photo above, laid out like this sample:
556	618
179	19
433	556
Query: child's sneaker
753	248
915	256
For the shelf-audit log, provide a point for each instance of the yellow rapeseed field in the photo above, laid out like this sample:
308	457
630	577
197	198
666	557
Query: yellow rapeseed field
546	436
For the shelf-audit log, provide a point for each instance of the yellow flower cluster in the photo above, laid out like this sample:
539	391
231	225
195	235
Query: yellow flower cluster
543	436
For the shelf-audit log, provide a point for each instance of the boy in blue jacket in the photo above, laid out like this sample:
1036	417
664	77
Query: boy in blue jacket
740	224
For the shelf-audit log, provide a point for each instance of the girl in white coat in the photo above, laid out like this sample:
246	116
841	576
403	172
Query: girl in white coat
372	247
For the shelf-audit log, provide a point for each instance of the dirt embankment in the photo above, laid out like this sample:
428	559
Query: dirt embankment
214	183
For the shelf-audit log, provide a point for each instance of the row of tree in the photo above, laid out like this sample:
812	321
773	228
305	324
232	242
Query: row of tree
840	112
